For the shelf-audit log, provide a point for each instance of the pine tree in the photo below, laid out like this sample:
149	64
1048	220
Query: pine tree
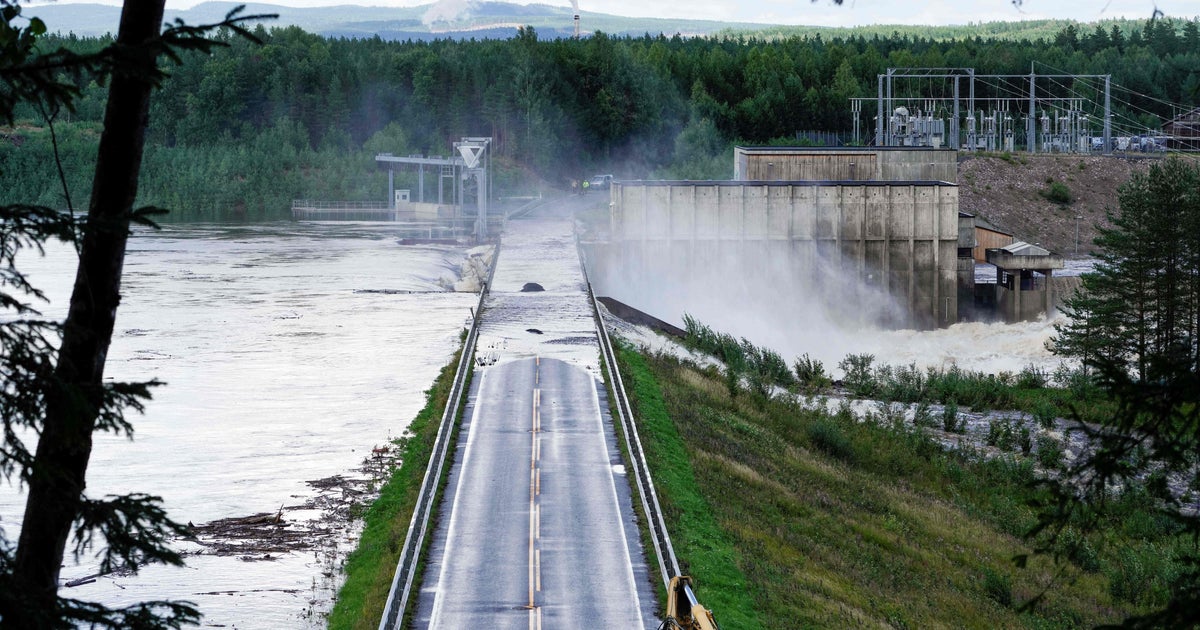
1136	325
61	394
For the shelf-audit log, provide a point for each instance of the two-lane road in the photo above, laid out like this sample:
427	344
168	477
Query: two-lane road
536	534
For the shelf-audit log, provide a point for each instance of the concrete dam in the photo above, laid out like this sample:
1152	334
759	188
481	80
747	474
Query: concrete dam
860	252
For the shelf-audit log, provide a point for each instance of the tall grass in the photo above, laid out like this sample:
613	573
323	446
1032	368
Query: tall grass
836	522
703	547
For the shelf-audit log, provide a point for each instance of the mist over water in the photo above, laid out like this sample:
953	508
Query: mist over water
794	306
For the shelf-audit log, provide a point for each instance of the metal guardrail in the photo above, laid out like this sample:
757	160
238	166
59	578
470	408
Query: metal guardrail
668	565
418	526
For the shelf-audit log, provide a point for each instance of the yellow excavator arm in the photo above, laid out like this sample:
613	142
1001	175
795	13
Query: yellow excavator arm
682	608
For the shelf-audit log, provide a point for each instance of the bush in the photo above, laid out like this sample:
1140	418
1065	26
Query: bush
950	420
1030	377
1072	544
998	586
1001	434
1044	414
922	416
859	379
1025	441
810	373
826	435
1049	452
1056	192
1138	576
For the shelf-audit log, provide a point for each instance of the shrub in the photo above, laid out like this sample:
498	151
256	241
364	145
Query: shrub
1025	441
1138	576
826	435
950	420
1044	414
1030	377
1001	435
1056	192
859	379
1072	544
998	586
1049	452
810	373
922	416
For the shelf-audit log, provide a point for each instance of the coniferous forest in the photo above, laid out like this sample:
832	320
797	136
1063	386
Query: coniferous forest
237	135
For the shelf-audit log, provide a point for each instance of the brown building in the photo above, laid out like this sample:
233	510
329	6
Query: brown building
988	236
1183	132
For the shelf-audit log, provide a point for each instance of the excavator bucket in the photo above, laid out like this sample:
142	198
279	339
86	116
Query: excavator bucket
683	610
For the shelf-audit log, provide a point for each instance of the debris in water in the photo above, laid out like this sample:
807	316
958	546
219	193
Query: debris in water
531	287
533	330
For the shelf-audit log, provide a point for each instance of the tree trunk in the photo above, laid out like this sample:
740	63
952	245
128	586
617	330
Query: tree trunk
65	446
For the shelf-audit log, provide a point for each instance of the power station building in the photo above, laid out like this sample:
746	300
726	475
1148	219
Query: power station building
874	231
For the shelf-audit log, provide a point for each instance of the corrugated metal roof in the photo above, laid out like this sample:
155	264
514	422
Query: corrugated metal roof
1021	248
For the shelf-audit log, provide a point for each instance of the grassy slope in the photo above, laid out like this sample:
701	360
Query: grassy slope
371	566
702	547
837	524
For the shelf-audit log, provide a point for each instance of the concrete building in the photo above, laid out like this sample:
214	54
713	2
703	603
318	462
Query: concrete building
841	242
878	164
1024	280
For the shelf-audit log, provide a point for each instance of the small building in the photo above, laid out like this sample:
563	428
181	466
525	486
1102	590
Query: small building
988	236
827	164
1183	132
1024	289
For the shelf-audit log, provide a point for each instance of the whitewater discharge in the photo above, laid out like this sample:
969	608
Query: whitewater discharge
826	313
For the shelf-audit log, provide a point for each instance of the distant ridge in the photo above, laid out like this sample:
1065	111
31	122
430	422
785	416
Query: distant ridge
482	20
499	20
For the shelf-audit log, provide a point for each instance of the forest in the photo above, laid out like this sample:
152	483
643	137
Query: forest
237	135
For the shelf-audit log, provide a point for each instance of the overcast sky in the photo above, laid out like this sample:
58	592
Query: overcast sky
826	13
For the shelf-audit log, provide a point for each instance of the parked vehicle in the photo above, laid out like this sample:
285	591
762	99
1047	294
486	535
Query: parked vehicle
600	182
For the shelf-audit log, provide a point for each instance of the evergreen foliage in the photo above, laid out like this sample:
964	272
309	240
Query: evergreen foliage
52	386
242	132
1136	326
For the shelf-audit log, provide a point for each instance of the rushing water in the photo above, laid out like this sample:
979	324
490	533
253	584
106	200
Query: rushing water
289	351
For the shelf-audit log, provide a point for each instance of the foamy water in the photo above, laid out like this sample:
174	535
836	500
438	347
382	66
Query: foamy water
289	351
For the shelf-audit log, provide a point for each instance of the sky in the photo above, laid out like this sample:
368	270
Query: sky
826	13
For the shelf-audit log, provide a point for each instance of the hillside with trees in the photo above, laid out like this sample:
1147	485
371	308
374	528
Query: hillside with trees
239	134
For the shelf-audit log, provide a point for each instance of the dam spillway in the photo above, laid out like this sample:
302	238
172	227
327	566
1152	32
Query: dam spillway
884	252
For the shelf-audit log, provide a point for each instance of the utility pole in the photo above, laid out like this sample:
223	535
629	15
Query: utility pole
1031	137
1107	114
1078	218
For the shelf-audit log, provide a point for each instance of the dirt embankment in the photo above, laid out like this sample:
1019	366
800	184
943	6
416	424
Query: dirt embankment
1011	191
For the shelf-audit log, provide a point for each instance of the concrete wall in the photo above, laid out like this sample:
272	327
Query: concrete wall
845	164
844	243
425	210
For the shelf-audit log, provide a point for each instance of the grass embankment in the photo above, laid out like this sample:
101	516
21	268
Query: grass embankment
371	566
792	517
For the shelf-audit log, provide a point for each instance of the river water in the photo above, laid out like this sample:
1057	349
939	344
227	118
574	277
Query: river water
289	351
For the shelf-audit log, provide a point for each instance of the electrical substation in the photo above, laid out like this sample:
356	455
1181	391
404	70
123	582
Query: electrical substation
961	109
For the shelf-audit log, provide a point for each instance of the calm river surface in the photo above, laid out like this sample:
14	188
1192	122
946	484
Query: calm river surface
289	351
